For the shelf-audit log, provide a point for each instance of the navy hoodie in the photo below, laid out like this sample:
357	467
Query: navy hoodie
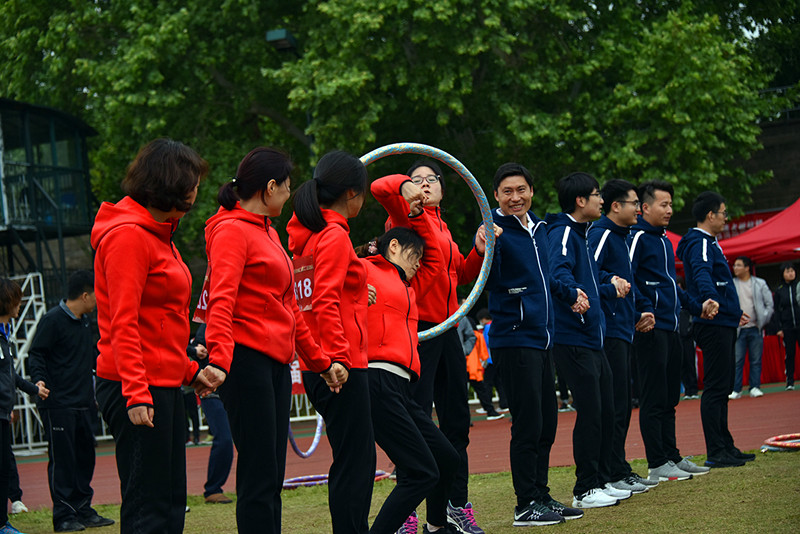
608	240
573	266
519	289
709	277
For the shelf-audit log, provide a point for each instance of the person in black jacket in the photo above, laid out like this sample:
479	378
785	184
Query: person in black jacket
62	357
787	309
10	300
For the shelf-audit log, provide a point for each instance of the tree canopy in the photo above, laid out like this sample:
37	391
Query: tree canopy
636	90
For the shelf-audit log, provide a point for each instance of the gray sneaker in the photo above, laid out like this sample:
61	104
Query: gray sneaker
686	465
644	481
629	484
668	471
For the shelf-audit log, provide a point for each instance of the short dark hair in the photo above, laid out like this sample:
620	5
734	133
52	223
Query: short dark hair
80	282
705	202
255	171
483	313
163	175
10	295
647	190
512	169
336	173
747	262
408	239
614	191
433	165
574	185
787	265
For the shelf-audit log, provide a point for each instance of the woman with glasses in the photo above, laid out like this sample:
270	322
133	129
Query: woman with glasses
335	299
253	329
443	376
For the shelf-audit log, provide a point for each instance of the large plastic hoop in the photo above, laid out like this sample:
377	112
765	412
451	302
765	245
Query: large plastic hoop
486	214
314	443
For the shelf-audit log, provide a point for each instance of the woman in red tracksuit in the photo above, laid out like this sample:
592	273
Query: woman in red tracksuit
426	461
319	236
143	290
443	380
253	328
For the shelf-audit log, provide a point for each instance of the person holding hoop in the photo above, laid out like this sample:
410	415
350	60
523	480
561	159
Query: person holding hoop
443	377
253	328
336	312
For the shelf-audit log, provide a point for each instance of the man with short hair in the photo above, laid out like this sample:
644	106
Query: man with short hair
709	277
521	308
755	299
579	335
608	243
62	358
658	349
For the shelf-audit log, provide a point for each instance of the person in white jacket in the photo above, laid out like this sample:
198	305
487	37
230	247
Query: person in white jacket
755	299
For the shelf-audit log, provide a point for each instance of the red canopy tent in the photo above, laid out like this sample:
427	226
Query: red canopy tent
675	239
775	240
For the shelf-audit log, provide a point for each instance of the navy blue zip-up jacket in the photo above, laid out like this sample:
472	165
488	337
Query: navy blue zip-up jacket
520	302
573	266
608	241
708	276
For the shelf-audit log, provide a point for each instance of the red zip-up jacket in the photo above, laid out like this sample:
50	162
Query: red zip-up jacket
441	301
338	314
393	319
251	298
143	290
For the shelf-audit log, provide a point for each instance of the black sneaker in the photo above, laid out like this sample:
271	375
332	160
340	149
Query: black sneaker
723	460
562	509
535	514
739	455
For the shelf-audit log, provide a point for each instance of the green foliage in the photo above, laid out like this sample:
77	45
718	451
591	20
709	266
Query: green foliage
636	90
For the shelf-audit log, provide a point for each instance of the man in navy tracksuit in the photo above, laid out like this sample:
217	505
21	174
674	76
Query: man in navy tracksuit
579	333
658	350
608	242
709	277
521	307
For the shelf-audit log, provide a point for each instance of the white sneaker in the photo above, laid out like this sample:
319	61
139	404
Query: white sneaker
18	507
480	411
594	498
690	467
734	395
756	392
620	494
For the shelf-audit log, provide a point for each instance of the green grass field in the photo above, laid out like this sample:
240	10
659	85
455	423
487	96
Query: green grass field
763	496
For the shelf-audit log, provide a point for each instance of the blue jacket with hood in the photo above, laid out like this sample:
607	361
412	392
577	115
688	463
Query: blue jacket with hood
573	267
520	302
708	276
608	241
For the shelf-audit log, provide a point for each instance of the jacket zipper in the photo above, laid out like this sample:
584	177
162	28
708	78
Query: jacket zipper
674	286
544	283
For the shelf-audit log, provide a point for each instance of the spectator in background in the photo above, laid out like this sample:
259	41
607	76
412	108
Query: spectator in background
755	300
490	378
62	358
787	308
477	358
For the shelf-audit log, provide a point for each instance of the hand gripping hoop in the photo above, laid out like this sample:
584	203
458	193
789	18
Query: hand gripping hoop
486	214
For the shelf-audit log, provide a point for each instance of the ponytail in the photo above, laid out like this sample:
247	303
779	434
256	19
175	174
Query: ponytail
253	175
227	197
306	207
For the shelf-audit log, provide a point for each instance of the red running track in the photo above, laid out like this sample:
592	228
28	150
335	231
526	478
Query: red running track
751	422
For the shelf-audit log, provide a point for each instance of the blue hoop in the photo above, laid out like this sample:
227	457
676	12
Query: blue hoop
486	213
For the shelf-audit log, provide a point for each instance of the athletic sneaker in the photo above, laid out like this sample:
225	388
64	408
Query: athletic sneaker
611	491
463	519
633	477
503	410
18	507
480	411
594	498
562	509
8	529
629	484
494	416
739	455
724	460
756	392
444	530
735	395
690	467
411	524
535	514
668	471
789	387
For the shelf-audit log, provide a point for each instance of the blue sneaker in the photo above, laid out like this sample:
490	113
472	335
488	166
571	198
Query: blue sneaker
8	529
463	519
